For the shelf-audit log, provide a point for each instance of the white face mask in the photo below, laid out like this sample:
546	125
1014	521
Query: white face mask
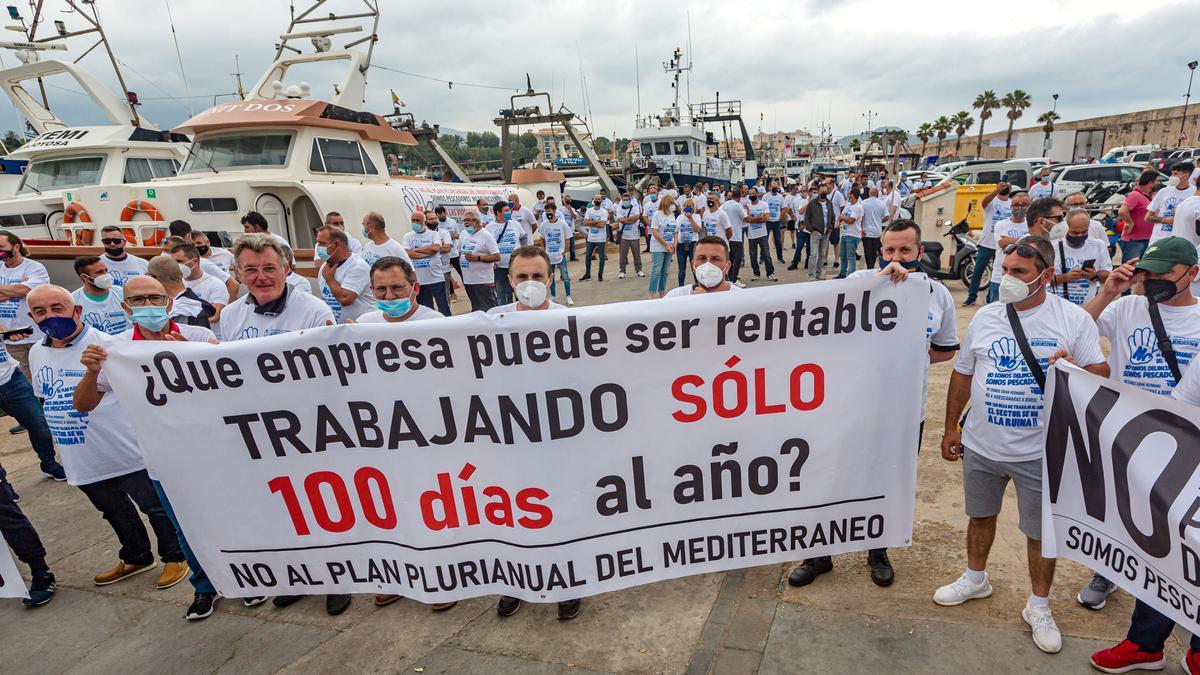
1013	289
185	270
103	281
1058	231
532	294
709	275
1173	181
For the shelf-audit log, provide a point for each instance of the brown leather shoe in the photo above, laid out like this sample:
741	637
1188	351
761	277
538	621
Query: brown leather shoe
442	606
172	573
122	571
385	600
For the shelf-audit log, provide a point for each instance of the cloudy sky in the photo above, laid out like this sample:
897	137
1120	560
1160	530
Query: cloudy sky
796	63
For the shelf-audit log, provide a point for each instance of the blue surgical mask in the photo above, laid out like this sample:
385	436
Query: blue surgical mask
470	229
511	205
321	252
911	265
625	203
394	308
58	327
150	317
364	233
687	209
418	227
654	197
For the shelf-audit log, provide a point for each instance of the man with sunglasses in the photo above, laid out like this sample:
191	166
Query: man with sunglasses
1002	437
121	265
1138	358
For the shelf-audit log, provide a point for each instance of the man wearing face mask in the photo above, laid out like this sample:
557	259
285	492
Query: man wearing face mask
394	285
1002	437
757	217
479	256
343	277
900	255
450	227
997	207
735	213
1167	200
710	266
552	236
529	269
120	264
335	219
1005	232
1153	339
99	449
1042	187
1136	227
819	220
595	220
205	287
1083	263
629	216
509	234
774	202
220	257
649	207
379	243
425	245
98	297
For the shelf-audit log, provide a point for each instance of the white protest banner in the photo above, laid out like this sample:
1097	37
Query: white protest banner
545	455
11	583
1120	490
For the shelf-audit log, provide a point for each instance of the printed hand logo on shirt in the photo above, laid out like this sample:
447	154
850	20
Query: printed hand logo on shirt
1142	346
248	333
50	385
1005	354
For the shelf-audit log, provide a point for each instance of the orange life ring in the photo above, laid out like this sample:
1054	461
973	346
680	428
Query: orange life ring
141	206
74	211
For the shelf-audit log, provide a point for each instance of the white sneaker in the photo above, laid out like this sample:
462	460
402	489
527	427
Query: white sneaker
1045	632
739	284
961	591
570	302
754	278
620	275
641	274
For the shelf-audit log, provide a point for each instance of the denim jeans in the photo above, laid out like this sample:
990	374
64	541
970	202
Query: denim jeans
761	250
17	399
435	294
1149	629
802	244
1133	249
776	233
683	256
587	257
847	255
993	293
504	290
20	535
660	267
482	296
115	499
983	256
566	277
198	579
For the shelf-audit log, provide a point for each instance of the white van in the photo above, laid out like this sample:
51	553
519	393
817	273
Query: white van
1121	153
1070	178
1016	172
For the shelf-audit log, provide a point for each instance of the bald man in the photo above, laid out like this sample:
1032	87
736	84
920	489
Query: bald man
186	306
379	243
99	449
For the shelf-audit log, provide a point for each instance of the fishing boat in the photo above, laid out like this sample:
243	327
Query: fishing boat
63	159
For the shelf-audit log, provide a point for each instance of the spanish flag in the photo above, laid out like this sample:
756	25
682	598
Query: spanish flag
396	99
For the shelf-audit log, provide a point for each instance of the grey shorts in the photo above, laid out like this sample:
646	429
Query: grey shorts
984	481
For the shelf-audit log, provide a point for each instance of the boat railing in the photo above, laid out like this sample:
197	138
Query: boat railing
139	233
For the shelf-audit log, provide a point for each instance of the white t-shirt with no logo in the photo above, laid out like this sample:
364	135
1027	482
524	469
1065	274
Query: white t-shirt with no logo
104	315
480	243
1135	358
1003	422
1005	228
353	274
96	445
873	210
735	214
221	258
1079	292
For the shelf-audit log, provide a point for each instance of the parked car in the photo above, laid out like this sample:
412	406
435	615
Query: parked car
1017	172
1068	178
1179	155
1121	153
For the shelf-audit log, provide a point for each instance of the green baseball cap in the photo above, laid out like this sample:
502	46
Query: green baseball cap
1166	253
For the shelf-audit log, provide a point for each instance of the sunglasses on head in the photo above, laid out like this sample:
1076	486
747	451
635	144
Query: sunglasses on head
1027	251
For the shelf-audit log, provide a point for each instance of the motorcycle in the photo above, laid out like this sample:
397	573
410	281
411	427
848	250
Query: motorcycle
960	265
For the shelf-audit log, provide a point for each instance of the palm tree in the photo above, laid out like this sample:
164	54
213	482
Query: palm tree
942	127
925	132
962	121
1016	101
985	103
1047	119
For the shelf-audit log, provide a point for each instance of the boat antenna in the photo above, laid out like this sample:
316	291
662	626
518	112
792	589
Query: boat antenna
241	92
688	76
187	90
637	70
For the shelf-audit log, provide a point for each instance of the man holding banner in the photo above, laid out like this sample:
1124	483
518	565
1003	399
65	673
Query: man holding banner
1154	338
1001	372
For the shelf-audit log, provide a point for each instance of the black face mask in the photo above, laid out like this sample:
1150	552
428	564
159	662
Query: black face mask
202	250
1161	290
114	252
433	225
1076	242
1005	191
